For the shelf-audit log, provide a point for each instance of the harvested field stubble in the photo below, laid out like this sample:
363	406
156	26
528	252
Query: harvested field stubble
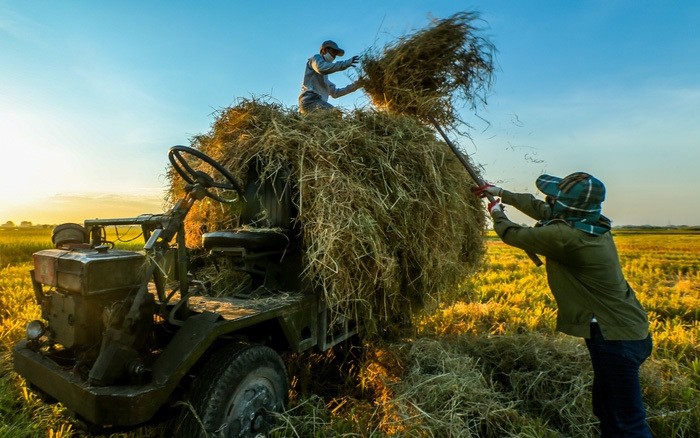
387	218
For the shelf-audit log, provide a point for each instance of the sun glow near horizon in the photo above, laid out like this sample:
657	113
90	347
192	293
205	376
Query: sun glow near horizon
44	183
51	175
77	207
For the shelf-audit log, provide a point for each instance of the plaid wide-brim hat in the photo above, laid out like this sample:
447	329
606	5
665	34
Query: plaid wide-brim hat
578	190
578	199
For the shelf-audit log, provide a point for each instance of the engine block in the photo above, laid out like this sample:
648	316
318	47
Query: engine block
84	286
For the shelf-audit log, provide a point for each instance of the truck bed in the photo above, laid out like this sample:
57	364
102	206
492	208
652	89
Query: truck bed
231	308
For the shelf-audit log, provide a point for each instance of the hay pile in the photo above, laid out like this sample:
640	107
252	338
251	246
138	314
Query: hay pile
433	72
485	386
386	214
444	393
549	375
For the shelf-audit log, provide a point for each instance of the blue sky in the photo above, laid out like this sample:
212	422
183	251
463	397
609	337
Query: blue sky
92	94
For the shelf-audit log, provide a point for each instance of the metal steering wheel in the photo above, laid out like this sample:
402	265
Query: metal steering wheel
193	176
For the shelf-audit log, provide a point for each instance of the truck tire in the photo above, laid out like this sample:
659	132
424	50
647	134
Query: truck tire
235	393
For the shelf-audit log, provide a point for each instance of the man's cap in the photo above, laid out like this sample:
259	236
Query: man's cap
332	45
579	188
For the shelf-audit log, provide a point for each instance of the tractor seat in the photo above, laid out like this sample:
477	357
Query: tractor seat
265	224
254	241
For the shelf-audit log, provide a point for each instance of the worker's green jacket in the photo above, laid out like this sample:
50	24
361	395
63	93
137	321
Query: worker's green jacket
583	271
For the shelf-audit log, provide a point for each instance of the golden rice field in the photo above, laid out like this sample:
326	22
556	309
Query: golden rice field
488	365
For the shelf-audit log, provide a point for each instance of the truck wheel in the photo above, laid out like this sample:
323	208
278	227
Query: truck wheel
236	392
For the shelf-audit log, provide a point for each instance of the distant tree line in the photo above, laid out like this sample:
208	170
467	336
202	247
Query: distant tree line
23	224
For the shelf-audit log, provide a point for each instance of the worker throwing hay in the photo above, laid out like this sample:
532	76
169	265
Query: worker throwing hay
316	86
594	300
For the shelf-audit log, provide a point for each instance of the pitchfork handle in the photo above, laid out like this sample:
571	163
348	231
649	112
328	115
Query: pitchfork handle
460	156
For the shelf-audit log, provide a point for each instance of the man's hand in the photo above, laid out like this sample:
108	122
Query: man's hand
495	205
487	188
354	60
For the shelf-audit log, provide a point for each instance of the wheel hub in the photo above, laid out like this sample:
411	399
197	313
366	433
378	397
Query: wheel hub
248	410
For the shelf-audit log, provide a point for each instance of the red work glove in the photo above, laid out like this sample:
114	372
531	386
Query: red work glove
492	190
495	205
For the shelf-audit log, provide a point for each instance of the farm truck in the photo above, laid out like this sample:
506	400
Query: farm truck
125	334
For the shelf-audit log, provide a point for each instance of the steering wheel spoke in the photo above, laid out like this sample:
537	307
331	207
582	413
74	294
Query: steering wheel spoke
207	181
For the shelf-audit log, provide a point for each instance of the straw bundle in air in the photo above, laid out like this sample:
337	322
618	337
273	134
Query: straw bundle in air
433	72
386	216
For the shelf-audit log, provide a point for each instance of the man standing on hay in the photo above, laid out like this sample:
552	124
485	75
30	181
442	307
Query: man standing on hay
594	300
316	86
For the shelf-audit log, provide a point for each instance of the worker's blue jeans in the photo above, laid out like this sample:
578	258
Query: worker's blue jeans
617	393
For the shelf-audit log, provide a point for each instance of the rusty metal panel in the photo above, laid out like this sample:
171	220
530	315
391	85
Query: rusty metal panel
113	405
89	272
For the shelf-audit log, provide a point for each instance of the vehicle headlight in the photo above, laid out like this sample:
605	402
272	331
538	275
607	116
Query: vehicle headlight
35	330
